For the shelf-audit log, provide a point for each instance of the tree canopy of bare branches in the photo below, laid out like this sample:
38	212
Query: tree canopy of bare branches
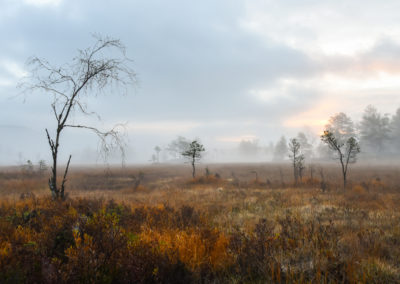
346	152
95	70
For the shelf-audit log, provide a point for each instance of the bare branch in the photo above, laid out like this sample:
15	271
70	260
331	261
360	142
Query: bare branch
51	143
65	178
109	140
89	73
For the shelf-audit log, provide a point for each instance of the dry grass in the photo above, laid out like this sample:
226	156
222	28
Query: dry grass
226	227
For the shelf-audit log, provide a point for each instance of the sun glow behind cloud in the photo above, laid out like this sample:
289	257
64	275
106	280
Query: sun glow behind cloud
340	92
314	118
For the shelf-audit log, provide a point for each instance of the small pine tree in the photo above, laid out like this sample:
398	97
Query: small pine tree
157	149
42	167
281	149
297	159
194	154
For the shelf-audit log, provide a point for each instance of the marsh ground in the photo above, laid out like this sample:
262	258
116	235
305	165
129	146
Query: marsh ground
233	223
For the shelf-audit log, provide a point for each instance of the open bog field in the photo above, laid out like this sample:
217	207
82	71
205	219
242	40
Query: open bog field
234	223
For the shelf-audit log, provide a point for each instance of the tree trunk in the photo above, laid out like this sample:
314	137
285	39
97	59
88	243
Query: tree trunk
344	174
62	189
57	193
193	169
53	178
281	175
344	180
54	153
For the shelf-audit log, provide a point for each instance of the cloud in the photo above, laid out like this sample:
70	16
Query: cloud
236	139
220	70
162	126
323	27
12	68
42	3
10	73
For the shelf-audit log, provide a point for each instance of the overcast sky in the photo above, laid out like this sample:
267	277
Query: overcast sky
222	71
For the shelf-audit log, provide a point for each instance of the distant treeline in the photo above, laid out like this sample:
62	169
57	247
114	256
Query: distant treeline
377	133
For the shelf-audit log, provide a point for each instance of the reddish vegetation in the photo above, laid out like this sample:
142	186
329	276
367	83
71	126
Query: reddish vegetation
223	229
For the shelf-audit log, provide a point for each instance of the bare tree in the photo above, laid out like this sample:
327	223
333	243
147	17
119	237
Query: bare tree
306	147
300	166
323	183
94	70
347	152
395	131
281	149
374	131
42	167
249	148
194	154
178	146
157	149
297	159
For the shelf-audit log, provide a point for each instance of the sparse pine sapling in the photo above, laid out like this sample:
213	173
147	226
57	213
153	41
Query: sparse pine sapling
207	172
300	166
194	154
42	167
297	159
157	149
